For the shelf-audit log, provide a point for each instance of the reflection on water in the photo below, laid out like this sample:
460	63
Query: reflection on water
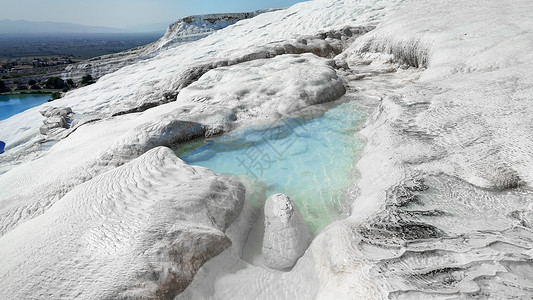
310	160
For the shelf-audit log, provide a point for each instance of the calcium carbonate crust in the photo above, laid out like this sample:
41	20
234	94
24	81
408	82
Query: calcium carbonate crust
286	236
443	205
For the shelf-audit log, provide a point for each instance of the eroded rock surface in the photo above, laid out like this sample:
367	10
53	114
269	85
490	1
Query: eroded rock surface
286	235
138	231
55	117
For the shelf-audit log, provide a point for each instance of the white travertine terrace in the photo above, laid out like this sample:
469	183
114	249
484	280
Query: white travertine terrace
443	209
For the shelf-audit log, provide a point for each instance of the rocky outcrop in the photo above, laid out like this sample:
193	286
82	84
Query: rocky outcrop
286	235
56	117
123	235
193	28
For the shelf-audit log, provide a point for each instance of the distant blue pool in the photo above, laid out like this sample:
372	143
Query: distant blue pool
13	104
310	160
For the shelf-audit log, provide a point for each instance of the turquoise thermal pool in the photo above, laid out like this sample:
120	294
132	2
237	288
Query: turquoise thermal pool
11	105
310	160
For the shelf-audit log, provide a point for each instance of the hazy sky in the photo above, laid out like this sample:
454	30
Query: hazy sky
124	13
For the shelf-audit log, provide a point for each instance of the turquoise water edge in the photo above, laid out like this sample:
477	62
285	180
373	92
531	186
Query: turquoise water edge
11	105
310	160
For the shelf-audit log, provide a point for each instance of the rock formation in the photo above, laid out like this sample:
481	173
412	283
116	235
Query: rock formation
286	235
126	230
56	117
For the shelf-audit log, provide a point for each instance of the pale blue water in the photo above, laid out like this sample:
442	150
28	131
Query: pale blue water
13	104
310	160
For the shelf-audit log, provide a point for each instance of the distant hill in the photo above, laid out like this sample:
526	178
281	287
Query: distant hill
27	27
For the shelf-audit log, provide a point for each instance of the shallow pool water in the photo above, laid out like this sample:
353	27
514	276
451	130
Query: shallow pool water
309	159
11	105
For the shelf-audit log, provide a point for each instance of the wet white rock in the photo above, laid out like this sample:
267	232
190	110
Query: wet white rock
286	235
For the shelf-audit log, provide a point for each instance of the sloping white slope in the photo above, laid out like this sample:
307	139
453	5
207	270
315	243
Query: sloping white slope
473	99
153	80
186	30
139	231
445	205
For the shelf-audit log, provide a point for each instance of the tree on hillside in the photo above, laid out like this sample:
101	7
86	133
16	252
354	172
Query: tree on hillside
87	79
55	83
55	95
3	87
